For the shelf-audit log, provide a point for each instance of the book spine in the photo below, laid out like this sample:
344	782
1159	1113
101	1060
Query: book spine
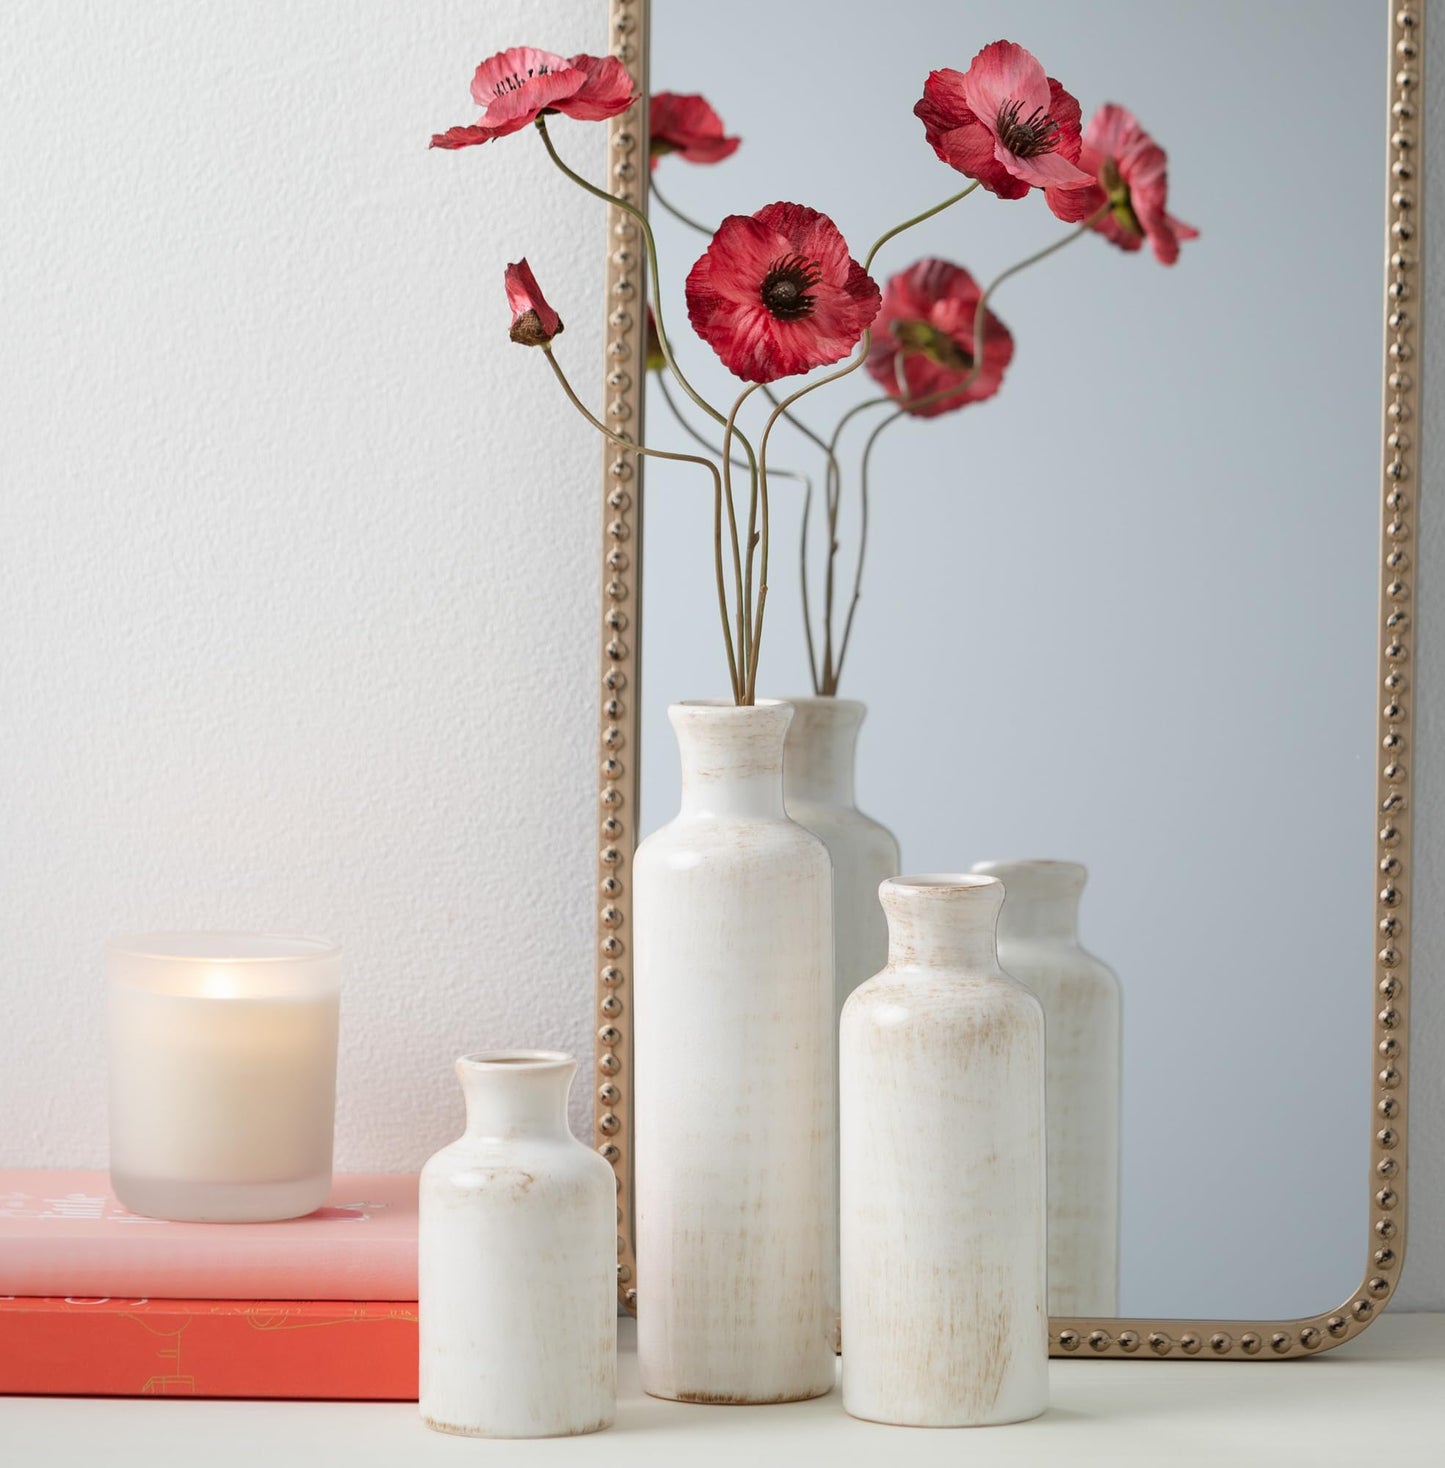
42	1268
203	1348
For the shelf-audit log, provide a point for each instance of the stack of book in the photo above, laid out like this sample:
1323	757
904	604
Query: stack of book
96	1301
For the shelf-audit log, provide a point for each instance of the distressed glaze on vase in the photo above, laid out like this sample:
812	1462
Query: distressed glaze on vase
818	789
735	1139
1038	943
517	1301
945	1322
818	765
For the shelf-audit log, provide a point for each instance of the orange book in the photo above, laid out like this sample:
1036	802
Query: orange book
208	1348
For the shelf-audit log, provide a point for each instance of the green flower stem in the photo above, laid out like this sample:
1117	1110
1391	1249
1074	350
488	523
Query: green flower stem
778	412
633	212
907	224
793	474
677	213
746	643
707	464
831	673
837	672
701	439
640	216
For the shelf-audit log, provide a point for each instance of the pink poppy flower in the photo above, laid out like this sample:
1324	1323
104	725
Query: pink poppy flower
518	86
1132	176
685	124
777	293
925	343
1003	122
534	322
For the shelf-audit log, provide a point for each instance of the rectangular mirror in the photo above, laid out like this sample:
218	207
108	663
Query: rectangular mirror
1146	607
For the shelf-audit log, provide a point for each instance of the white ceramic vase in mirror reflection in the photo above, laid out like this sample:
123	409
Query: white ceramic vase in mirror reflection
1038	943
222	1074
735	1069
818	781
517	1261
943	1246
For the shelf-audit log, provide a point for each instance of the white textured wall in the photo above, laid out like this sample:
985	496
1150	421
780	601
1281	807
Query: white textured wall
1422	1285
298	573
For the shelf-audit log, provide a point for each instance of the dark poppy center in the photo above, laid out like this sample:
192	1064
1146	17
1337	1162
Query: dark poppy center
1026	137
786	286
516	81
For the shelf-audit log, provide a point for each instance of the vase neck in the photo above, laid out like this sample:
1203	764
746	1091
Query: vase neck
1041	899
732	758
938	922
819	755
516	1093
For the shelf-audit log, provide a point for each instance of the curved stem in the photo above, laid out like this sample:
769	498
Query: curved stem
907	224
633	212
742	587
707	464
851	366
803	582
907	405
677	213
703	442
862	540
746	639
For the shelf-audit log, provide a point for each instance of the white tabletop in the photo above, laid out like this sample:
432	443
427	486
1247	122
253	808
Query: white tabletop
1379	1399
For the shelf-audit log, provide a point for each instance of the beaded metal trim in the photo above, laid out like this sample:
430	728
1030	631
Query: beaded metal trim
621	521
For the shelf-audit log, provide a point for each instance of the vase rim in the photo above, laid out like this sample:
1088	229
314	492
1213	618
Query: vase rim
510	1060
727	705
941	882
1043	866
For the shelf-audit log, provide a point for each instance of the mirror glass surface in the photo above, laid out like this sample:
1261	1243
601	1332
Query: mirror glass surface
1122	612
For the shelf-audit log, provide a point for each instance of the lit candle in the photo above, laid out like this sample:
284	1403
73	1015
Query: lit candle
222	1074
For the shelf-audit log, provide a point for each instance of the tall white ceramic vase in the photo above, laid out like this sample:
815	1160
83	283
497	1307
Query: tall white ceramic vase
1038	943
517	1266
942	1080
735	1069
818	762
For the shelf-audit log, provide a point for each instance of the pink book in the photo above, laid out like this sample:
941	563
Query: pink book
63	1233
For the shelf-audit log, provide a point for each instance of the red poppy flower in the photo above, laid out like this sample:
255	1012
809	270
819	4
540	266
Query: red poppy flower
925	344
516	87
1132	176
685	123
534	322
777	293
1003	122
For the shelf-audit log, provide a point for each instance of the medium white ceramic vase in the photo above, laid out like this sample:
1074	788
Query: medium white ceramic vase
1038	943
942	1080
818	763
735	1067
517	1261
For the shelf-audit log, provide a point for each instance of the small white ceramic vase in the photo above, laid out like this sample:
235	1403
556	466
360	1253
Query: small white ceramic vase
735	1068
517	1261
1038	943
942	1080
818	763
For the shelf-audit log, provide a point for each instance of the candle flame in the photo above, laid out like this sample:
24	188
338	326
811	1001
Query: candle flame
219	983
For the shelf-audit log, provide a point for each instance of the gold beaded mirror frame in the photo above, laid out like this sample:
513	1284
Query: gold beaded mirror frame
620	692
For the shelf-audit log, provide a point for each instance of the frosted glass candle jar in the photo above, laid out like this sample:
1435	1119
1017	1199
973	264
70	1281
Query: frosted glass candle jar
222	1074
